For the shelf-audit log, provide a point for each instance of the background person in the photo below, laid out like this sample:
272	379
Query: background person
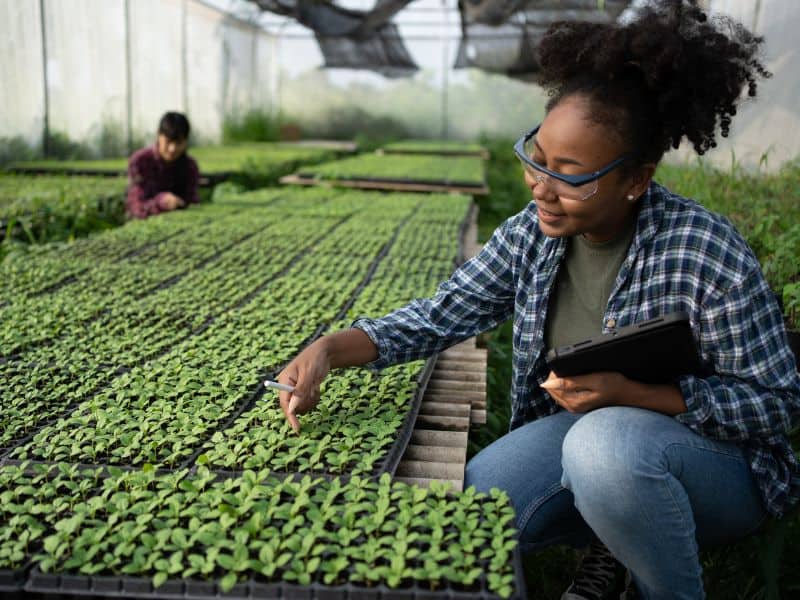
163	177
645	474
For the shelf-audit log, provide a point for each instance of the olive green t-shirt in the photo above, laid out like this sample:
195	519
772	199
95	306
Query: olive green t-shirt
583	285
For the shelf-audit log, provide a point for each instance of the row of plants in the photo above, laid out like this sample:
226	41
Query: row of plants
445	170
117	335
181	530
65	204
65	310
34	209
31	269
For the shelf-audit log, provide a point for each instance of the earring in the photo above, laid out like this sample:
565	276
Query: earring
630	196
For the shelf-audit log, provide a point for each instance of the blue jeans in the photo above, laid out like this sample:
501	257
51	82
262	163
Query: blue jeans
649	488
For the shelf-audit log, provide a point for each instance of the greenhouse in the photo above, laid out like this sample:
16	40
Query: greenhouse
399	300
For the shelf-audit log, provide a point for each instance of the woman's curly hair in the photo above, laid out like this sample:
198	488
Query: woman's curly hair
670	72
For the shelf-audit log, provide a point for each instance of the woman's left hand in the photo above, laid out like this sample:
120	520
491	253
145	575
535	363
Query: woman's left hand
582	393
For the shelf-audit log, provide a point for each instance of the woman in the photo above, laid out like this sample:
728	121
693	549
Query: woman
644	473
163	177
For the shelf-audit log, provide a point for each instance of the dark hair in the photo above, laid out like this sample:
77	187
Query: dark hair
174	125
669	73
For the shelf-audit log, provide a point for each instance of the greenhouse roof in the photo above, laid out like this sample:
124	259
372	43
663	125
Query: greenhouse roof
498	36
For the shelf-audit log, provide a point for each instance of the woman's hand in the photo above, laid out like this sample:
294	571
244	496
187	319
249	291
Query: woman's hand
305	373
346	348
582	393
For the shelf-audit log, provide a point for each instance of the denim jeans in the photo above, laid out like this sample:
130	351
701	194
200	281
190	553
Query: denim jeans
649	488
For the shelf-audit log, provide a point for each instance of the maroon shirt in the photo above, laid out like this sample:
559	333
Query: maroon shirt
149	177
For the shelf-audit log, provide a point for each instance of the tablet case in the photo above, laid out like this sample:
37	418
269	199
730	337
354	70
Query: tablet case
654	351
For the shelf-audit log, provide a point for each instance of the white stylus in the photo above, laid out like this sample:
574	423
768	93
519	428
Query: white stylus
278	386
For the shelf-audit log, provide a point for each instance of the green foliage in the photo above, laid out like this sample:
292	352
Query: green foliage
255	125
116	314
508	193
763	207
14	149
256	164
103	165
349	122
60	146
44	209
31	500
111	139
108	139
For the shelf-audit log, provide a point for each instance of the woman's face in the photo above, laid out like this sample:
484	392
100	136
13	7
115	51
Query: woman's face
568	143
168	149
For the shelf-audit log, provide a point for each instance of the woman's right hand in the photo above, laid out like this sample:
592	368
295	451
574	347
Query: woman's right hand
306	373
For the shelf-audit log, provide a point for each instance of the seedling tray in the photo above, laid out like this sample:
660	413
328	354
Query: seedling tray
12	581
374	183
131	587
450	531
254	589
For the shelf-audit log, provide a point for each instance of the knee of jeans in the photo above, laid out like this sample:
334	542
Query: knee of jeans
481	474
591	452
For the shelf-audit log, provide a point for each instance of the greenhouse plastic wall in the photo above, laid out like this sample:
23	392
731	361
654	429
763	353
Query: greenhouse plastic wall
22	92
767	127
122	63
189	55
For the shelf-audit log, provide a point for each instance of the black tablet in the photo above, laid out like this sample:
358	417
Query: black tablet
654	351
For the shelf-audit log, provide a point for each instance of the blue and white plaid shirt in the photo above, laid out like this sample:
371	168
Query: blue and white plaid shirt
682	258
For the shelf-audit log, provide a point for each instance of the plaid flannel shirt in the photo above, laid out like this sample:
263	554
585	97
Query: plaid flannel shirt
682	258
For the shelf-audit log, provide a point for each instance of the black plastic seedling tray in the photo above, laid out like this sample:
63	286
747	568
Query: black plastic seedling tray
189	589
12	581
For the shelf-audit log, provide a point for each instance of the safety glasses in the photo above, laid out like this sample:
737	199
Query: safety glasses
571	187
